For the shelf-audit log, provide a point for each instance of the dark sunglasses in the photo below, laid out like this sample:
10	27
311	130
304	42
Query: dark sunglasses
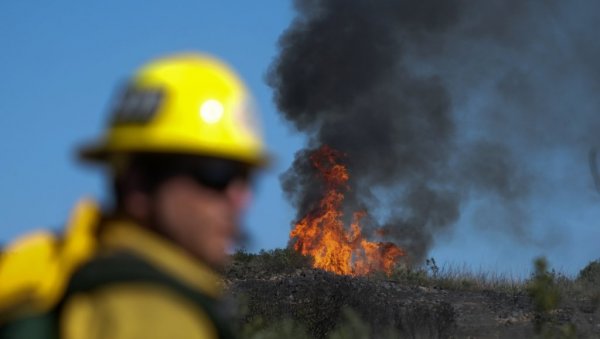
218	174
213	173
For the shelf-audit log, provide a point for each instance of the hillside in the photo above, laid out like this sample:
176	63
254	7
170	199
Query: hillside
281	296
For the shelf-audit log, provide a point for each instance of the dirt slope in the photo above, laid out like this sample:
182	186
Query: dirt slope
317	299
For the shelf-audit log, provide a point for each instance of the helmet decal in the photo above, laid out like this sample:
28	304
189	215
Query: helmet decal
137	106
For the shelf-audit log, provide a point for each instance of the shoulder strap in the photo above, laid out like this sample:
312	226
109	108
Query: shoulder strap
35	270
121	267
39	326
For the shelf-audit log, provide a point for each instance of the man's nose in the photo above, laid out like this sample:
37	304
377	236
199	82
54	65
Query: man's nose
239	194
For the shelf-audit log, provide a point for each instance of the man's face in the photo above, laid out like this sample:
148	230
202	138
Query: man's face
204	221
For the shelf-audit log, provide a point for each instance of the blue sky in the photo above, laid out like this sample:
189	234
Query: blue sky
60	63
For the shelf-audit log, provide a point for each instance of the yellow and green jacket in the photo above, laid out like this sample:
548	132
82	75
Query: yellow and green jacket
114	280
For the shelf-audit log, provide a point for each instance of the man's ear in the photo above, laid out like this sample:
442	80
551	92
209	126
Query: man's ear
137	205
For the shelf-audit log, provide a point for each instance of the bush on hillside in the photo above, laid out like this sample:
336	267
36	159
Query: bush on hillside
590	273
277	261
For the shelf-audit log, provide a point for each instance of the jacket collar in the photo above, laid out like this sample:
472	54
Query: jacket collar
163	254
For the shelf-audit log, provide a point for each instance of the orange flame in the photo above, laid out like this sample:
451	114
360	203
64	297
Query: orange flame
323	235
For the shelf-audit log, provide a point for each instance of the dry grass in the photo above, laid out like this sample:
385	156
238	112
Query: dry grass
283	270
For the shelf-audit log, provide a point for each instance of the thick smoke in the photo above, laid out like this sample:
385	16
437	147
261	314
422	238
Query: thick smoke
437	104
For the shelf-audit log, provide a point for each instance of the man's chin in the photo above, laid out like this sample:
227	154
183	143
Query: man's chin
218	256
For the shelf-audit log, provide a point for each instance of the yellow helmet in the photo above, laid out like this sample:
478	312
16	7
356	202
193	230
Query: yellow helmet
183	104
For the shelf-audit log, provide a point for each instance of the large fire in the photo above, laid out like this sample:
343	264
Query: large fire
323	235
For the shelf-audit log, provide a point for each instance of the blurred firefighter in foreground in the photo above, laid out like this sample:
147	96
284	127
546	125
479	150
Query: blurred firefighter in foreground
181	147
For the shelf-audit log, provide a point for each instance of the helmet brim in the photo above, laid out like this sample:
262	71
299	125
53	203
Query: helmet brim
103	154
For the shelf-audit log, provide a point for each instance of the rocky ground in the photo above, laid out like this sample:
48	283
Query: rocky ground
319	300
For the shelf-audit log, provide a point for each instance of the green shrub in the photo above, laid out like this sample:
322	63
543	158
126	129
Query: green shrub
242	256
281	260
545	291
591	273
542	288
409	275
266	263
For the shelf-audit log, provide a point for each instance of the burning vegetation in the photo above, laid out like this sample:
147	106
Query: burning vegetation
321	233
450	115
435	114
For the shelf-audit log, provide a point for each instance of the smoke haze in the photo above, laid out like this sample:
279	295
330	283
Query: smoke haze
440	106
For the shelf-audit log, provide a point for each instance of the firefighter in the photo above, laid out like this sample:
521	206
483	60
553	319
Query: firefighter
180	149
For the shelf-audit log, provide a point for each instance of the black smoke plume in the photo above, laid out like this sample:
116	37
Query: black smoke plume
437	104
